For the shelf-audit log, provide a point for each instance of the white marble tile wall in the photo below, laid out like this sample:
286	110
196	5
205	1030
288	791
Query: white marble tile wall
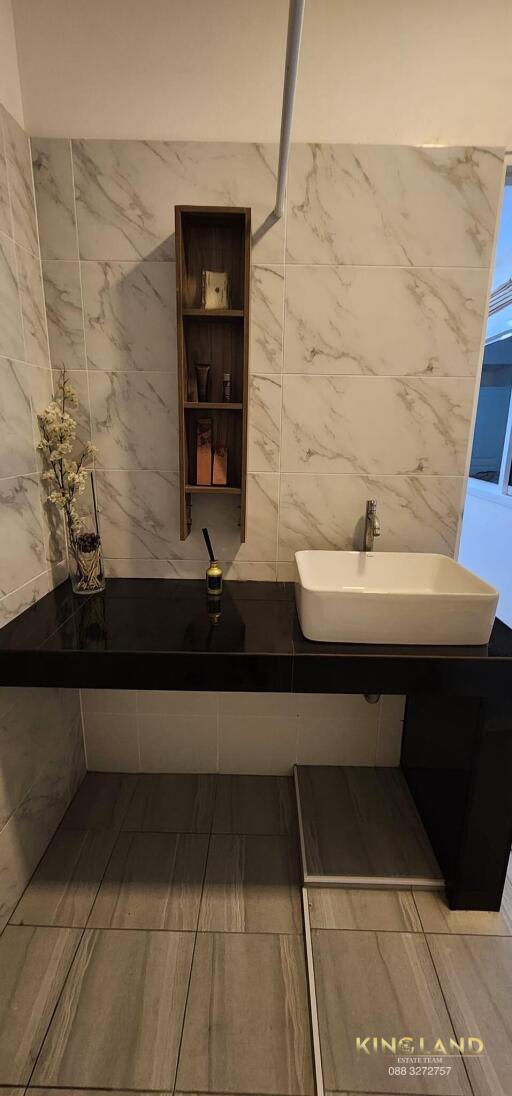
236	732
368	303
42	762
30	554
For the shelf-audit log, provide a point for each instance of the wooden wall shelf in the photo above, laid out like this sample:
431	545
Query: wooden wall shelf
194	406
215	313
197	489
218	239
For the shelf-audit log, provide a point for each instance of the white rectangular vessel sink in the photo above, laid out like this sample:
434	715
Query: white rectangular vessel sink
391	597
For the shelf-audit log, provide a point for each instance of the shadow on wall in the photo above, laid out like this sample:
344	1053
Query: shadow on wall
42	762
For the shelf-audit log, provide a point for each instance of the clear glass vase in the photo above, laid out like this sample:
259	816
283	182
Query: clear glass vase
86	561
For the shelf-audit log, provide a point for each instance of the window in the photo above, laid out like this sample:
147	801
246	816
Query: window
491	427
491	455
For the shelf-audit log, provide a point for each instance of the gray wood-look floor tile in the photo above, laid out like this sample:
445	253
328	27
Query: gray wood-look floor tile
385	910
436	916
34	1091
119	1019
371	983
251	885
101	802
33	965
173	802
63	887
255	804
476	977
362	821
153	881
247	1024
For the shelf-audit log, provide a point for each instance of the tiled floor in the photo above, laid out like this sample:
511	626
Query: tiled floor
362	821
399	963
159	948
160	944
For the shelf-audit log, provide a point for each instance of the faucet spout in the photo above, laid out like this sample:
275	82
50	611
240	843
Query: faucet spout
371	525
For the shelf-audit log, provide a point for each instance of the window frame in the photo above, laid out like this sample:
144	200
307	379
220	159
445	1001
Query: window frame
500	492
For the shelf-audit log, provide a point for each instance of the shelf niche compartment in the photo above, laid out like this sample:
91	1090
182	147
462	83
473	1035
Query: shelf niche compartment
219	239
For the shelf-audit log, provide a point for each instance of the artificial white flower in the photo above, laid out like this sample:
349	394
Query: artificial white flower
67	475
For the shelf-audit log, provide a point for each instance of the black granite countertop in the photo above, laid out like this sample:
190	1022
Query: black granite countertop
161	634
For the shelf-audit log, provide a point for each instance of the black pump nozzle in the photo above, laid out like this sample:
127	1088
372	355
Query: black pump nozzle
208	543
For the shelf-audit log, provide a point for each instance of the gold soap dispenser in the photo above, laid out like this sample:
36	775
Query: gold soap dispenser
214	572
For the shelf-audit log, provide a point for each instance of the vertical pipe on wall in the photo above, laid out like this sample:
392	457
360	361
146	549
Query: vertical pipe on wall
295	20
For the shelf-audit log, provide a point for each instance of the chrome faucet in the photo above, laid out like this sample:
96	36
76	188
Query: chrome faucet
371	525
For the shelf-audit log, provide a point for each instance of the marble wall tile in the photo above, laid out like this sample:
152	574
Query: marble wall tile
23	748
376	425
79	380
42	764
133	567
55	199
139	514
11	330
64	314
267	303
126	191
139	518
187	568
9	696
264	426
16	867
130	315
390	439
22	598
5	205
21	187
384	320
21	534
17	454
240	571
222	517
25	837
417	513
134	419
392	205
32	308
39	389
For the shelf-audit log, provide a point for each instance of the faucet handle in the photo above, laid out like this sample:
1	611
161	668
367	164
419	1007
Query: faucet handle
371	506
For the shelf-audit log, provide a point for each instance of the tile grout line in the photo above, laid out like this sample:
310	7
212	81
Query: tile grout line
450	1017
93	468
182	1032
54	1010
109	859
281	389
144	1092
170	932
84	740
